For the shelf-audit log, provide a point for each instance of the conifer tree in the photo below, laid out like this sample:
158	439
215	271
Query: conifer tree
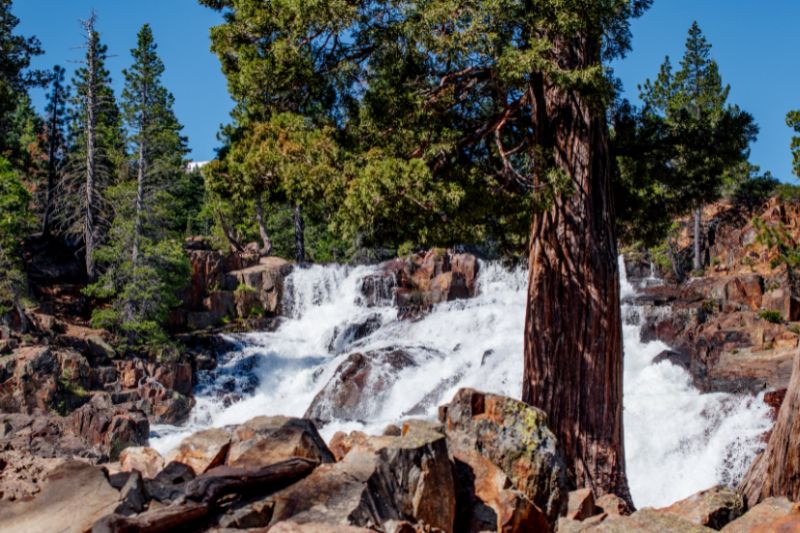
793	121
710	137
143	264
14	223
55	116
96	149
16	77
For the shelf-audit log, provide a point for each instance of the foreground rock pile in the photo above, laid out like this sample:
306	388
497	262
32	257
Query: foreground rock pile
489	464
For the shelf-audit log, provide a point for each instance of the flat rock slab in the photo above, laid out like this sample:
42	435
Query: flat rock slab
74	496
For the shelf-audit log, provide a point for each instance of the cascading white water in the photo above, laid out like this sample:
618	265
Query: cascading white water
678	441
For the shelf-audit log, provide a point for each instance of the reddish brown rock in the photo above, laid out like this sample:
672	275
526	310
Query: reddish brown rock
761	518
713	508
141	458
74	496
580	505
267	440
203	450
513	437
359	385
611	504
387	479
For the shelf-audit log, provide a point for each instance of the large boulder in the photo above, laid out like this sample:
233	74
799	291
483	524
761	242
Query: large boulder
111	429
359	385
203	450
384	479
766	517
506	445
74	496
713	508
644	521
416	283
142	459
267	440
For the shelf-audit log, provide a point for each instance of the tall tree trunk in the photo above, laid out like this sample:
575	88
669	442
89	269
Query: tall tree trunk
228	231
573	329
91	104
262	228
137	229
299	235
698	233
51	165
776	471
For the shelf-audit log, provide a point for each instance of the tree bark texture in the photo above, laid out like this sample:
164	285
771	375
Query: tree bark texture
262	227
698	233
776	471
91	159
299	235
573	329
51	163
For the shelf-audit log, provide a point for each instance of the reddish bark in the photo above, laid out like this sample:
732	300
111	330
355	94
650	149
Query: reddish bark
573	332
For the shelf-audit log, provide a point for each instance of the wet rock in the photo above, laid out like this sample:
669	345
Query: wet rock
359	385
712	508
351	333
514	438
761	518
267	440
388	478
145	460
74	496
203	450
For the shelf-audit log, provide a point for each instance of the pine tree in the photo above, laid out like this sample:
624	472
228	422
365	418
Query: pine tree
16	78
155	132
14	223
143	263
56	116
710	137
96	149
793	121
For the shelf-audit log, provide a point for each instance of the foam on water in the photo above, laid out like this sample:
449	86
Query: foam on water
678	441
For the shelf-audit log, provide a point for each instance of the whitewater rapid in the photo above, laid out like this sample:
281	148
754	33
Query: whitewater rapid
678	441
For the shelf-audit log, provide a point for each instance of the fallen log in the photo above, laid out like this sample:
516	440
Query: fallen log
223	480
166	519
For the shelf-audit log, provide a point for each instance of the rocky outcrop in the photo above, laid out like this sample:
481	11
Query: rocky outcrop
506	447
230	285
776	471
772	514
416	283
714	508
359	384
266	440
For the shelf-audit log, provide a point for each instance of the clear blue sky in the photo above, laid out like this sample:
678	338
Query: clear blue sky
755	43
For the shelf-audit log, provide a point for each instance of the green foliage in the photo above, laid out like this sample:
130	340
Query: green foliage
777	237
15	79
771	316
141	287
683	149
431	105
793	121
14	222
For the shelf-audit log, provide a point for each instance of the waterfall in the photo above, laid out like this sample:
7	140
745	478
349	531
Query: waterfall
678	441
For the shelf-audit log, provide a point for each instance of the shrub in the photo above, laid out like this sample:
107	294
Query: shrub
771	316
